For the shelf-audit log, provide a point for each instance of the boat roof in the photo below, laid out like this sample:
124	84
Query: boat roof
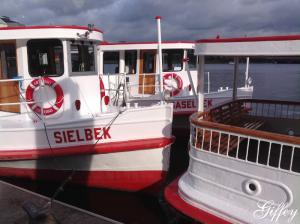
288	45
115	46
46	32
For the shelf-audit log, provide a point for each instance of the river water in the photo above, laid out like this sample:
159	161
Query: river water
270	81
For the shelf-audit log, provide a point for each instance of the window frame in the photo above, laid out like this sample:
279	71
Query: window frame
88	73
49	75
111	51
136	61
196	59
182	64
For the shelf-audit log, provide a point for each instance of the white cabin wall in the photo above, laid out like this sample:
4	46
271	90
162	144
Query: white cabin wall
184	57
83	87
122	62
65	85
100	60
22	58
21	54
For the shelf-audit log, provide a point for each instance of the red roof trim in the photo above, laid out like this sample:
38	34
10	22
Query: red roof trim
163	42
250	39
110	147
47	27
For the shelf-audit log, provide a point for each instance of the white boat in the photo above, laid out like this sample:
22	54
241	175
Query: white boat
138	63
245	154
52	120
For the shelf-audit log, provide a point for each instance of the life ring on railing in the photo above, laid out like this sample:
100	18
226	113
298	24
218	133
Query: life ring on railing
48	82
168	86
104	98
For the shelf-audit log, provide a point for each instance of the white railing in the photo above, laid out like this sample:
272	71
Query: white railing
23	100
120	84
13	80
244	143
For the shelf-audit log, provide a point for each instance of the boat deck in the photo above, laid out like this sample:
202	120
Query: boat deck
13	198
257	131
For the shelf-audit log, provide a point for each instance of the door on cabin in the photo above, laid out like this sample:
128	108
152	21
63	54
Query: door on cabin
147	72
9	91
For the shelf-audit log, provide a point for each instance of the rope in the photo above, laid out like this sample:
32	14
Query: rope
44	124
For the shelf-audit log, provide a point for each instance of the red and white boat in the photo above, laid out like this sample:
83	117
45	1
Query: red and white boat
245	154
138	63
55	116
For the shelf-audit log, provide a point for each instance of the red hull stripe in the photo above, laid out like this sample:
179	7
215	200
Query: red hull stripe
119	180
111	147
48	27
172	197
250	39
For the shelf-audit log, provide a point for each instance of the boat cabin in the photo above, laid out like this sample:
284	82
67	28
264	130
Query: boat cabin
66	55
244	154
139	61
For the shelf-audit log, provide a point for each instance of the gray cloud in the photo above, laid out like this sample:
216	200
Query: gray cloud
133	20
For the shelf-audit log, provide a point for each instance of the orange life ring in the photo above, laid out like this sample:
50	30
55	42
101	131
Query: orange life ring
103	97
48	82
177	78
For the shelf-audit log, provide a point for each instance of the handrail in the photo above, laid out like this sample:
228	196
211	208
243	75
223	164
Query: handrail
22	102
14	80
243	141
19	103
204	119
129	84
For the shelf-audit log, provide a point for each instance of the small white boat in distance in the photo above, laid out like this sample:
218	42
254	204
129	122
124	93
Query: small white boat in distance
52	117
245	154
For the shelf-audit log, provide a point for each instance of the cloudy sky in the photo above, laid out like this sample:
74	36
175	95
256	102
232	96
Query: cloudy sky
133	20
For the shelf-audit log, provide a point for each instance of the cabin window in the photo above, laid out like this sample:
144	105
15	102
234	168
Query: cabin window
130	62
9	91
82	57
111	62
45	57
192	59
148	58
172	60
8	65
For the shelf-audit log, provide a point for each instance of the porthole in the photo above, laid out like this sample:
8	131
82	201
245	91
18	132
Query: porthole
252	187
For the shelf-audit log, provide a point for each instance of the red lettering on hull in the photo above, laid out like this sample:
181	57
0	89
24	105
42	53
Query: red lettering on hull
190	105
184	104
80	135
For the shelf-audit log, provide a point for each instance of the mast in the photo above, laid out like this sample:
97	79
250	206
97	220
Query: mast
235	77
247	72
200	84
158	18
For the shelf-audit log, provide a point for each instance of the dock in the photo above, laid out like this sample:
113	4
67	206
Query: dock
15	203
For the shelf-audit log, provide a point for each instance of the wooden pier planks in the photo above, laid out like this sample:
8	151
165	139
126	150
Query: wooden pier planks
12	198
